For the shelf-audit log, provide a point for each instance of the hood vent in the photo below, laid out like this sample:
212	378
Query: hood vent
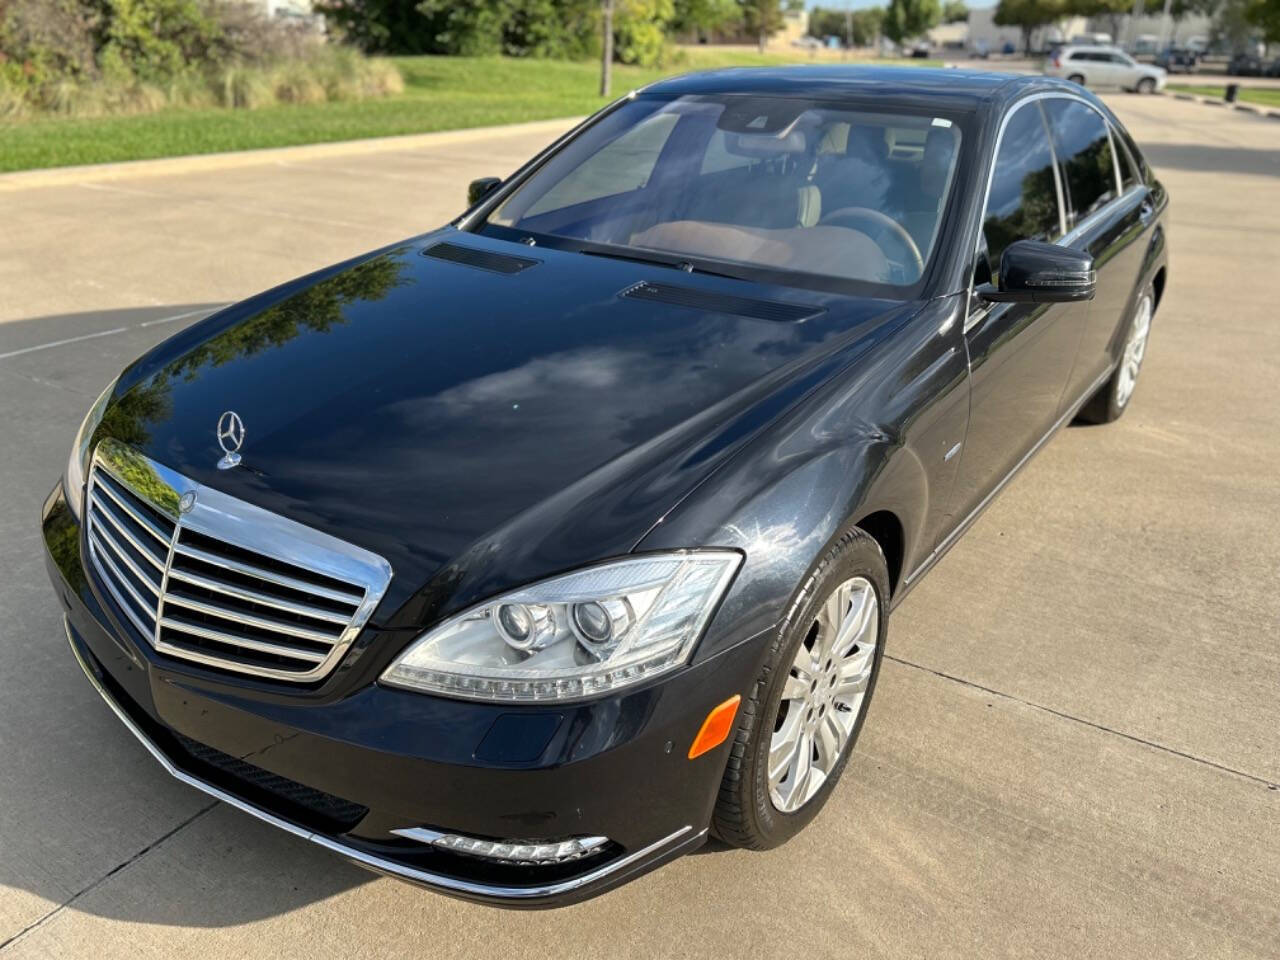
721	302
480	259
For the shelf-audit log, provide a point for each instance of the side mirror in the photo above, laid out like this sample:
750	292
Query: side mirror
477	190
1032	271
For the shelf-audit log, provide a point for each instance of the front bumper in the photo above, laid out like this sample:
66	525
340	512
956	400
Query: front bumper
344	773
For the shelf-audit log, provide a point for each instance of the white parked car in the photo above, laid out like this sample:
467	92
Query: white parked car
1104	67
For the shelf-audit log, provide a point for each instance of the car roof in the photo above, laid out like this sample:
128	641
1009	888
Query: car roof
1092	48
837	82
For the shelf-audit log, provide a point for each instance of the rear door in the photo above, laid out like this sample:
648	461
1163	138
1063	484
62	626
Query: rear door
1124	72
1020	354
1104	69
1107	215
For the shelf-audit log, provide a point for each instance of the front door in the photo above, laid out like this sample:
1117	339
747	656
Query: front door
1020	354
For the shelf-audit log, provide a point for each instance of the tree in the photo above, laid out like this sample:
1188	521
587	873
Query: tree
384	26
701	18
606	54
761	19
955	11
1233	25
1113	10
640	30
1265	14
1027	15
857	28
907	19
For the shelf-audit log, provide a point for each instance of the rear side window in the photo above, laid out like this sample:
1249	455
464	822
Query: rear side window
1084	150
1023	202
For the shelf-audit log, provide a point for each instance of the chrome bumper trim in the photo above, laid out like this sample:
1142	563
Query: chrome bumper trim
379	864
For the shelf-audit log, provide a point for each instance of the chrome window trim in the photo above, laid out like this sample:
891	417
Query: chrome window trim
972	317
685	834
1097	215
1115	160
236	523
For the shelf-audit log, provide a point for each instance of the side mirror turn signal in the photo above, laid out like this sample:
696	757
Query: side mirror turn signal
1032	271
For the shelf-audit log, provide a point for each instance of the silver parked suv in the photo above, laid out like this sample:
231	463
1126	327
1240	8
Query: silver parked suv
1103	67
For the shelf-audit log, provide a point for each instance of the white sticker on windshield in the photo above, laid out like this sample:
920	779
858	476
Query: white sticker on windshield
941	122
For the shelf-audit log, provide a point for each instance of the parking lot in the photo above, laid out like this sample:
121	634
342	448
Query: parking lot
1074	748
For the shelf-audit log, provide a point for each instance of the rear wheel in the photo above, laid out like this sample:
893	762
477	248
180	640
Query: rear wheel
1113	397
1146	85
798	727
1076	78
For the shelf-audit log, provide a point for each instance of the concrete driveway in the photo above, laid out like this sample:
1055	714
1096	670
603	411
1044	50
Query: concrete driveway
1075	748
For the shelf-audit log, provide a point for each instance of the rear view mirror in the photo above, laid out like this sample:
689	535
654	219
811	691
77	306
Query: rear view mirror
477	190
1032	271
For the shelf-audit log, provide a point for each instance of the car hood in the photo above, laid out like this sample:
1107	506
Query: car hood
477	429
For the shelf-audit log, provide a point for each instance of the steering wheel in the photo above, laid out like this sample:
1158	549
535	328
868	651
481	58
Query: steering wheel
863	214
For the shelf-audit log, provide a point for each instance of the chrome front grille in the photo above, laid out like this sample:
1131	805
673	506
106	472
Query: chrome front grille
208	578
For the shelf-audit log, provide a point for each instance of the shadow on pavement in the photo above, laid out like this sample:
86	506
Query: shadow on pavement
80	800
1212	159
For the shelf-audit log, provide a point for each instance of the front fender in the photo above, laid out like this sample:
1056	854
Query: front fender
873	440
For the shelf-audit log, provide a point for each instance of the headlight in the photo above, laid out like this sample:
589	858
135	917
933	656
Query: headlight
73	479
574	636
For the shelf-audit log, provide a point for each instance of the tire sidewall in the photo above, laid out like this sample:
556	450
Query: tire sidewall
855	554
1115	405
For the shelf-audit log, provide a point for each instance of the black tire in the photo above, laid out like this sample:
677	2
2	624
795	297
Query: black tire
1111	400
745	815
1076	78
1146	85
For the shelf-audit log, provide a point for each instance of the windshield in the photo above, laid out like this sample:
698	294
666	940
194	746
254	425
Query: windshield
791	185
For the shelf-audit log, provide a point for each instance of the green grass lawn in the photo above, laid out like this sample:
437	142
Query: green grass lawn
441	93
1261	96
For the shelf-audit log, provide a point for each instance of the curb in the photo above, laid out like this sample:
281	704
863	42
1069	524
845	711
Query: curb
201	162
1219	102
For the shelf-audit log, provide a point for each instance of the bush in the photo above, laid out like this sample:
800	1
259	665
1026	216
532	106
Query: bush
640	31
41	40
59	56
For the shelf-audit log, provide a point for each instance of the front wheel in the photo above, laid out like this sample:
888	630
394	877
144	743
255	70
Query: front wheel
798	726
1112	397
1146	85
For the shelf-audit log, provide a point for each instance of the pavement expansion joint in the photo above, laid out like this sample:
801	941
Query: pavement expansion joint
1269	784
133	858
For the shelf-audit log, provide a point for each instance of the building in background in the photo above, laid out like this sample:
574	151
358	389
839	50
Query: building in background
980	32
283	8
1148	34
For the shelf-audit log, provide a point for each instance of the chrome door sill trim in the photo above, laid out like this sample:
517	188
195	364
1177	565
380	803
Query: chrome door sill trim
379	864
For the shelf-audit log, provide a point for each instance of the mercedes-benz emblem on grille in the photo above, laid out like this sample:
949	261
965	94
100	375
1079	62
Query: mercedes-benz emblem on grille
187	501
230	438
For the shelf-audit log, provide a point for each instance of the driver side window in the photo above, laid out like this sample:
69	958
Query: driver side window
1023	200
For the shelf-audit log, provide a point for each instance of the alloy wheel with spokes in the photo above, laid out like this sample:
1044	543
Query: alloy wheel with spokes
823	694
1135	348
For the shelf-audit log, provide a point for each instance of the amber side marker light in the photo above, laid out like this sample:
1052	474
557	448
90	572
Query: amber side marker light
716	727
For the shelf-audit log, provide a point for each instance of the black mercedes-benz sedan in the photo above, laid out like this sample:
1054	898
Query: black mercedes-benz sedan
519	557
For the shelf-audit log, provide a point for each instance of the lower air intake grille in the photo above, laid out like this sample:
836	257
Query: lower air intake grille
208	578
336	814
